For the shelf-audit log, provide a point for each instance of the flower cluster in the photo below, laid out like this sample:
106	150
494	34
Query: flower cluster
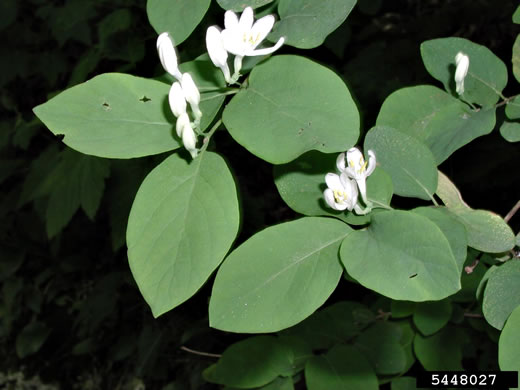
343	189
240	37
462	63
182	92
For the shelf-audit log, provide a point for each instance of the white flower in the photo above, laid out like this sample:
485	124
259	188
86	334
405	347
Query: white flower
167	55
177	100
341	193
216	51
355	167
182	121
192	95
241	38
462	62
189	139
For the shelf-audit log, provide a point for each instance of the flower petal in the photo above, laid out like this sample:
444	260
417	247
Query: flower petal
182	121
177	100
167	55
261	29
246	20
340	162
329	198
267	50
215	47
189	139
233	43
333	181
230	20
371	162
191	92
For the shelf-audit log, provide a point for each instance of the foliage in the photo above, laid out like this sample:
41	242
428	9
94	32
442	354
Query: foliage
240	234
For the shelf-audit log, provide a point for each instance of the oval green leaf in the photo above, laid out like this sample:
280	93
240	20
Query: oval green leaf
430	317
407	160
441	351
510	131
341	368
513	108
292	105
502	293
440	121
403	256
108	116
178	17
516	58
239	5
487	74
183	221
306	23
486	231
509	343
251	363
278	277
380	343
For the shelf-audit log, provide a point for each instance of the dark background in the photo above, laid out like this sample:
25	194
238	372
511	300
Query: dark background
70	311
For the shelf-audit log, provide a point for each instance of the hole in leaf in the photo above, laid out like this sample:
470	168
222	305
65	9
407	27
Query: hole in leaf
412	276
60	136
145	99
106	106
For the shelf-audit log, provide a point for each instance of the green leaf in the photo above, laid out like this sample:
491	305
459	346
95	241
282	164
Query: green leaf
516	58
334	324
271	281
439	120
486	231
502	293
252	362
31	338
510	131
76	181
301	184
516	16
183	221
430	317
408	161
487	74
509	343
108	116
341	368
239	5
380	343
178	17
401	309
306	23
453	230
403	256
513	108
274	123
442	351
449	193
